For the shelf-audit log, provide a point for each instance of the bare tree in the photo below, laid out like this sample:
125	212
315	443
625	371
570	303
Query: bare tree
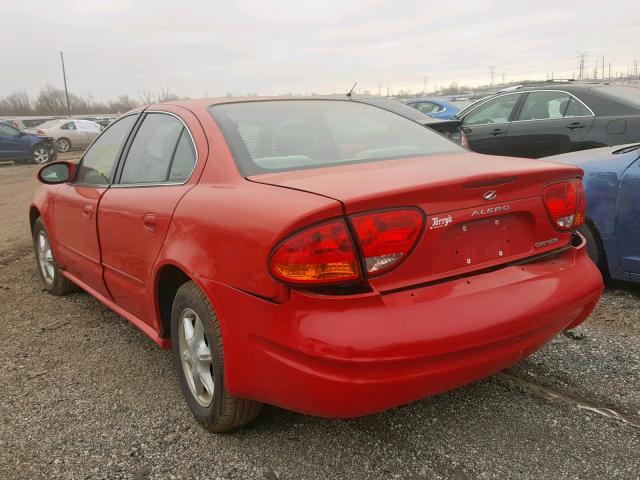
16	103
51	101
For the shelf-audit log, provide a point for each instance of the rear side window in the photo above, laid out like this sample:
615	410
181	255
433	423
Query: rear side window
550	105
282	135
160	140
68	126
97	164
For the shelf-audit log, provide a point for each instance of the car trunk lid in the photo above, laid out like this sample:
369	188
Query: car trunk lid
481	211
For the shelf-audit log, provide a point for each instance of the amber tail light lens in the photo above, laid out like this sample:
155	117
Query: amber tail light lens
318	255
566	204
387	237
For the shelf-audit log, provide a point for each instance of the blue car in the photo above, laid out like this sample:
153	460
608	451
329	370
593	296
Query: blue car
612	229
434	107
17	145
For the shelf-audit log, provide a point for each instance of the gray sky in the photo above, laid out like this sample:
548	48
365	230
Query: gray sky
276	46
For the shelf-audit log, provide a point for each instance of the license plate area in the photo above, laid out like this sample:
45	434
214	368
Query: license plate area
476	242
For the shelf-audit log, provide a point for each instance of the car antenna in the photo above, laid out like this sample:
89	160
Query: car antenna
351	91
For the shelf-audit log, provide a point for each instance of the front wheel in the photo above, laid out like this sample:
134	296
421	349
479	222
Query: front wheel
54	282
40	154
199	360
63	145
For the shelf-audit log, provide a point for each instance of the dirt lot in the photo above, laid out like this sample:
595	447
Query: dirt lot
84	395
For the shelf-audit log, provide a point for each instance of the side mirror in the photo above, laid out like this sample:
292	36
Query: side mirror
57	172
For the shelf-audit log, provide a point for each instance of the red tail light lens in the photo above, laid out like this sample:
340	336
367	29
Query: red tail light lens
566	204
387	237
319	255
40	132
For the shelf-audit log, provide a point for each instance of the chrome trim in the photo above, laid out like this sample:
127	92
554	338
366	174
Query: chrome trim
522	92
160	184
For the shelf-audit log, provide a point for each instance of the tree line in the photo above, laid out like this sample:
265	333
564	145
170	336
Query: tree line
52	101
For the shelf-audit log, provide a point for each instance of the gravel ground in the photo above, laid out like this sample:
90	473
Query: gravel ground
84	395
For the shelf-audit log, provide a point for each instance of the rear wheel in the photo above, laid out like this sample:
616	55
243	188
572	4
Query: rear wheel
199	360
63	144
53	280
594	246
40	154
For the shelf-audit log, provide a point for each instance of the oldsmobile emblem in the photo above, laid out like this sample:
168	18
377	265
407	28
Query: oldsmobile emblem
490	195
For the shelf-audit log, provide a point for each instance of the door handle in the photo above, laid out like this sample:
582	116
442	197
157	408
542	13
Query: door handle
87	211
497	132
150	222
575	125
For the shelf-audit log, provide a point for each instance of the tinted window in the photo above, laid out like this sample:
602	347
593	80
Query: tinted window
286	135
496	110
184	159
97	164
577	109
68	126
149	158
32	123
428	107
8	132
544	105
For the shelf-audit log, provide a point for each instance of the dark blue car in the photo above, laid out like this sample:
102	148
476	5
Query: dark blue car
612	184
17	145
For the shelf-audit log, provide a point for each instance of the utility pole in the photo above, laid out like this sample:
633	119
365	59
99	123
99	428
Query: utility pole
581	56
603	67
504	79
64	77
424	79
492	74
635	67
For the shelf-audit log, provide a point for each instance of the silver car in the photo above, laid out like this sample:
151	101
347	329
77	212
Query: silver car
69	133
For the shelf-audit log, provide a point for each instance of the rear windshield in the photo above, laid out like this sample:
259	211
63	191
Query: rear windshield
283	135
627	94
49	124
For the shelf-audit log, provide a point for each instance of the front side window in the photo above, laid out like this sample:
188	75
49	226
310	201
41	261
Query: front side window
154	148
496	110
282	135
98	162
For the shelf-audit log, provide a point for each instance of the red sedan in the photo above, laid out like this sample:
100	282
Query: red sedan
320	254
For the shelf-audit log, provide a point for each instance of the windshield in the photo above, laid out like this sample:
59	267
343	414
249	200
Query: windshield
283	135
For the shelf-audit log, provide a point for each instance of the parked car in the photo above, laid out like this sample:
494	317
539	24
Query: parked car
325	256
68	133
25	122
17	145
448	128
434	107
612	229
540	120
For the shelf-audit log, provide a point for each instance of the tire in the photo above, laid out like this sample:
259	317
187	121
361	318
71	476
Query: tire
594	246
63	145
198	355
54	282
40	154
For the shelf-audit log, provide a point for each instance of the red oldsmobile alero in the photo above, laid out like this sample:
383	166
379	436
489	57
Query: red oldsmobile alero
323	255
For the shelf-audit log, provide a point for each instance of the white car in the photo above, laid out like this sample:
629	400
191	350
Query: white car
69	133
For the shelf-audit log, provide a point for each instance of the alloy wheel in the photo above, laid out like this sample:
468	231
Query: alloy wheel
63	144
45	258
41	155
195	354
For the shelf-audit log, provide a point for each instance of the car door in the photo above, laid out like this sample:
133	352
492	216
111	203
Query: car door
90	129
12	143
135	214
628	219
549	122
486	126
76	205
76	136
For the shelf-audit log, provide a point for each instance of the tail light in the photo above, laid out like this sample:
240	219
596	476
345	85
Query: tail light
566	204
387	237
40	132
318	255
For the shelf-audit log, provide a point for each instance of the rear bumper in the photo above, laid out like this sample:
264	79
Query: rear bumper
351	356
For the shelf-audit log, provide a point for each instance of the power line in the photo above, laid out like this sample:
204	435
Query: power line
582	56
492	73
